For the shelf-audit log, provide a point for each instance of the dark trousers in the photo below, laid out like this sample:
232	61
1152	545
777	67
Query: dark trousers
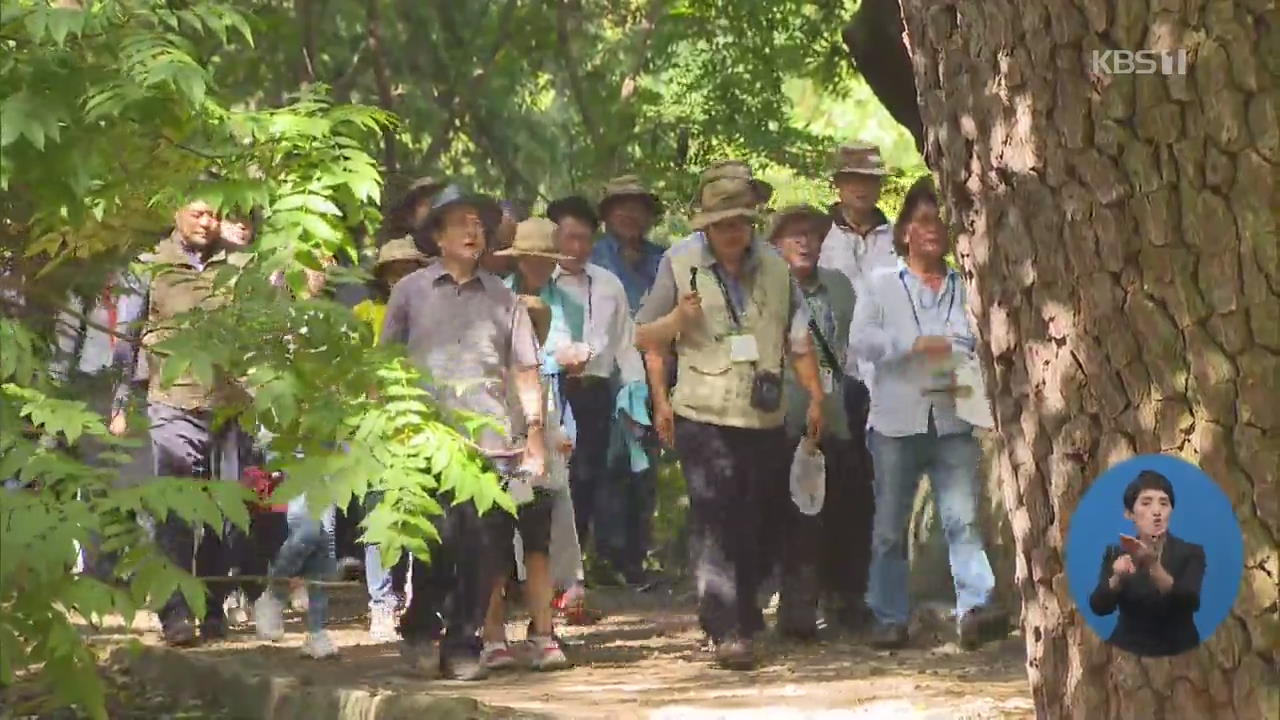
184	443
729	473
846	557
451	594
592	403
824	553
624	510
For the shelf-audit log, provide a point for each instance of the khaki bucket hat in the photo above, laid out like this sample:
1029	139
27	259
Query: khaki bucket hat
535	237
819	220
628	186
400	249
734	169
723	199
858	158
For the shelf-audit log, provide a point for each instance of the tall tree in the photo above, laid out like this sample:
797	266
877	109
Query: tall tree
1118	233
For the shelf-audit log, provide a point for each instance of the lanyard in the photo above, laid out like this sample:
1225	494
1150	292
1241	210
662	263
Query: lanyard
728	298
911	301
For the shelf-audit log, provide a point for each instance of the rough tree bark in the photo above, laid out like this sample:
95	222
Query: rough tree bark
1118	234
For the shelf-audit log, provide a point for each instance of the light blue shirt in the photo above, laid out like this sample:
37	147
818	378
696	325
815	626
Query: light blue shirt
883	331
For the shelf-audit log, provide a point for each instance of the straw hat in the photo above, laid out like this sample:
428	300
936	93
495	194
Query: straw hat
820	220
627	186
723	199
535	237
858	158
399	249
734	169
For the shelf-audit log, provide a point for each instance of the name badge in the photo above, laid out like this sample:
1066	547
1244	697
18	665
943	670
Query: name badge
743	348
828	380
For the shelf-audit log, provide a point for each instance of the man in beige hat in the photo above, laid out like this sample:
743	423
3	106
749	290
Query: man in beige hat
629	210
734	315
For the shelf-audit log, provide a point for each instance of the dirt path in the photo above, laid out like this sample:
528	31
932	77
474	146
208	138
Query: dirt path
644	660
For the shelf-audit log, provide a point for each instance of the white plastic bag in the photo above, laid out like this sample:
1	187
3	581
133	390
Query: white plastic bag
808	478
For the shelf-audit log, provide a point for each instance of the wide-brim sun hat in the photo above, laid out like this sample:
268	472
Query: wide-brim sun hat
452	196
857	159
397	250
535	237
628	186
820	220
723	199
733	169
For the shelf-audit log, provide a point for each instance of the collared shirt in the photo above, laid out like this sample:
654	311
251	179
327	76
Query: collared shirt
857	256
663	297
468	338
637	279
896	309
607	327
830	301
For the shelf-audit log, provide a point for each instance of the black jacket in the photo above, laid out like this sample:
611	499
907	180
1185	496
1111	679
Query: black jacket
1154	624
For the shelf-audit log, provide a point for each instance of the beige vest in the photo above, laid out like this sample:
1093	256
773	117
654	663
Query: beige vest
710	388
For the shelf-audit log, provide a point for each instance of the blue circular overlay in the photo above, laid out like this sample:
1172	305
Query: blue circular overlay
1202	514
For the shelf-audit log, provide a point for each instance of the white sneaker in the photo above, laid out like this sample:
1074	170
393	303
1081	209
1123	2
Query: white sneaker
319	646
546	654
268	617
382	625
497	656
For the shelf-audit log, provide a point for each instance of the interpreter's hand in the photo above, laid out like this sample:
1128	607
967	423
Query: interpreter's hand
934	346
119	425
690	308
1143	554
572	358
664	421
1122	568
815	421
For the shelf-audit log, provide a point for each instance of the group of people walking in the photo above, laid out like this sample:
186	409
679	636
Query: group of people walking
829	330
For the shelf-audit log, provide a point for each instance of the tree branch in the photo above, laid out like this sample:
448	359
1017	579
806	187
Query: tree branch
382	79
570	65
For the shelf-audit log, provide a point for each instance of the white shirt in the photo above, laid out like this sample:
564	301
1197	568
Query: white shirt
607	325
99	350
857	256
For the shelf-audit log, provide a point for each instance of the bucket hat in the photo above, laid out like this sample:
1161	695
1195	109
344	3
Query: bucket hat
453	195
535	237
723	199
821	220
734	169
858	158
628	186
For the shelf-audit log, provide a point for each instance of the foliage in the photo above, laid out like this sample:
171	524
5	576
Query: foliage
112	117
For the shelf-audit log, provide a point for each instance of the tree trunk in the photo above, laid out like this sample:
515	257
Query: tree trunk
1118	233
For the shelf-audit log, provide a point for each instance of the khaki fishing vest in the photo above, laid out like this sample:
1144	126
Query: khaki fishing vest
709	387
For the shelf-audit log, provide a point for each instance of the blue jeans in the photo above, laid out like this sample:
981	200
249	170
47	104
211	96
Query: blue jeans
307	553
951	462
378	579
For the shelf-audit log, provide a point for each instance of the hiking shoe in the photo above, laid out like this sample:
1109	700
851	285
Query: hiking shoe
268	618
465	667
497	656
981	625
889	636
319	646
422	656
546	654
736	654
382	624
179	633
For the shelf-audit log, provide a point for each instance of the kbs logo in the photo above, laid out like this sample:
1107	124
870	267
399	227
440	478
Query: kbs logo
1139	62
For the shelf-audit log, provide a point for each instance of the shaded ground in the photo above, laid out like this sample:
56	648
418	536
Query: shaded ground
645	660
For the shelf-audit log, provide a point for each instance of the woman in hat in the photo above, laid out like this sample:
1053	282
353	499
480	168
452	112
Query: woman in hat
544	522
396	259
409	216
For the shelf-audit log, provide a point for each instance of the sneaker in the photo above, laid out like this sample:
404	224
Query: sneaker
298	598
179	633
497	656
423	657
268	618
382	624
736	654
319	646
888	636
546	654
